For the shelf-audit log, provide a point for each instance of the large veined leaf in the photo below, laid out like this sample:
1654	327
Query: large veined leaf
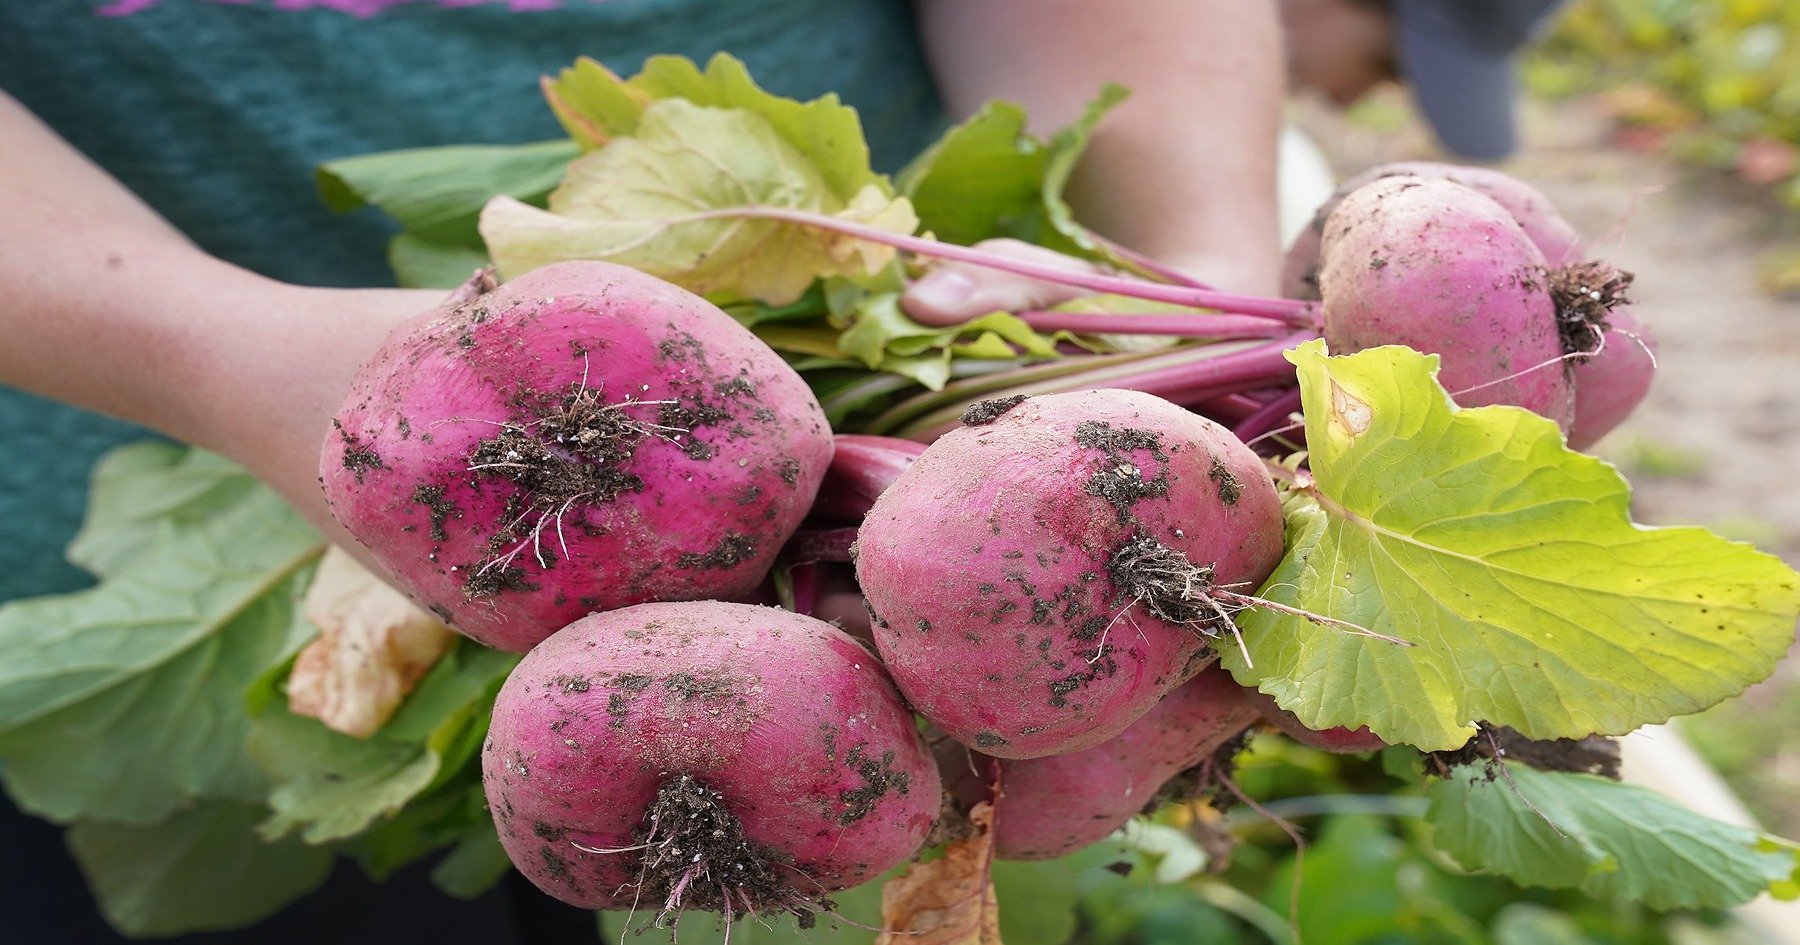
1610	840
660	201
203	869
1508	561
144	491
125	702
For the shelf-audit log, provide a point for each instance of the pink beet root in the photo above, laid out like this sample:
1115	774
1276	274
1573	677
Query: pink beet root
1056	805
862	467
1529	207
1041	577
705	755
1433	265
582	438
1610	385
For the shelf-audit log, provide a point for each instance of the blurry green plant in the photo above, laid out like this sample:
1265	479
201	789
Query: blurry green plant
1712	82
1368	874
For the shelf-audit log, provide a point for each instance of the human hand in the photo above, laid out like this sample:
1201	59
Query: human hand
952	292
272	412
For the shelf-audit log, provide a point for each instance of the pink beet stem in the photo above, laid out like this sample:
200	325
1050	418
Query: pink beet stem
1291	311
1186	326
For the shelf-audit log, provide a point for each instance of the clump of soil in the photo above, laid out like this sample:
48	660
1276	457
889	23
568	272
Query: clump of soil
987	411
578	450
1494	745
1584	293
1120	480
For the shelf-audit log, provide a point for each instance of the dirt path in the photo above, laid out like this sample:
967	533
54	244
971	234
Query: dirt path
1717	440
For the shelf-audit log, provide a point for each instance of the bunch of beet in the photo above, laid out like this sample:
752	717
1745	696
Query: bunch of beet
611	475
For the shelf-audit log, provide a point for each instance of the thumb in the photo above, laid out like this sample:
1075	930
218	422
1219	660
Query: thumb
954	292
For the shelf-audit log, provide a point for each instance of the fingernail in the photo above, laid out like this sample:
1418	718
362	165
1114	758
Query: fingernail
943	288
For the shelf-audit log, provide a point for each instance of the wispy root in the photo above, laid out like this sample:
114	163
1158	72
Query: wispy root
693	854
1174	589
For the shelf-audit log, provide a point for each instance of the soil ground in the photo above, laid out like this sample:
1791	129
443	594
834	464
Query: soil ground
1717	440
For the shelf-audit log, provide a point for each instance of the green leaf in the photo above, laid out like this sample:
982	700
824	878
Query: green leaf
1787	889
819	341
419	263
330	785
1035	905
125	702
984	178
202	869
1525	923
1610	840
427	824
1507	560
880	329
825	131
597	107
1110	304
988	177
473	865
650	201
462	684
593	104
436	193
860	904
143	490
1066	150
1349	883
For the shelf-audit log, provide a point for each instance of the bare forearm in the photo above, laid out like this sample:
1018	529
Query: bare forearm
109	308
1183	170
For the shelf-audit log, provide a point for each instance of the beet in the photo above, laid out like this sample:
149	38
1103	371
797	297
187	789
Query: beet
1040	578
1434	265
582	438
705	755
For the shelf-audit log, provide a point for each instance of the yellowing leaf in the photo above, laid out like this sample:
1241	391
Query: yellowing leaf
593	104
662	201
872	206
374	644
950	900
825	130
1509	561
